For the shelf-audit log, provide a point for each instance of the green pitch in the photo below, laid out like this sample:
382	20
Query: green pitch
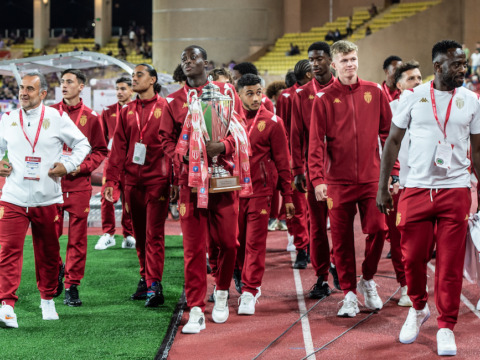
108	325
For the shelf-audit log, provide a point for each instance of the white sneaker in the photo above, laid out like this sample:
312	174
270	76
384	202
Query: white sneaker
411	327
196	321
404	299
350	306
272	224
8	318
247	304
369	291
446	342
290	245
128	242
478	305
220	309
105	241
282	225
48	310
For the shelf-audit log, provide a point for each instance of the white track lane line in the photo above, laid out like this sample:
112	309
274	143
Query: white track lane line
462	297
307	335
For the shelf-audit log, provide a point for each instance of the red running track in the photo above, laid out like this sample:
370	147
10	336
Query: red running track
244	337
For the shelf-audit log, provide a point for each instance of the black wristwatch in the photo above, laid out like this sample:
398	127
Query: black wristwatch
395	179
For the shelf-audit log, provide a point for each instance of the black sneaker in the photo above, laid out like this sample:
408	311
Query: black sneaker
155	295
237	278
319	290
141	293
61	274
301	261
71	296
389	255
336	282
308	254
209	269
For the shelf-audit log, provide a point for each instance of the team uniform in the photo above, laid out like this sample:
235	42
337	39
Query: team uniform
77	190
300	129
109	120
219	221
147	181
269	158
349	118
436	193
268	103
391	95
34	140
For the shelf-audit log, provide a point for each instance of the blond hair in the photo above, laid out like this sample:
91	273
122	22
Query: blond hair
343	47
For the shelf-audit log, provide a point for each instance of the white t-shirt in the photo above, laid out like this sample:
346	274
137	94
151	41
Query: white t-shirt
475	59
403	153
415	112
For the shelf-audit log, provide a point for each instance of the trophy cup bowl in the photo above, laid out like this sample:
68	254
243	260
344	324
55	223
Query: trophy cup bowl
217	111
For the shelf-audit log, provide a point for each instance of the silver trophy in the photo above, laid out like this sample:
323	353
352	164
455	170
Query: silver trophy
217	111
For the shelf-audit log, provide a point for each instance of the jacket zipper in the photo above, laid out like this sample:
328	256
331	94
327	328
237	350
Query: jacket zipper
355	134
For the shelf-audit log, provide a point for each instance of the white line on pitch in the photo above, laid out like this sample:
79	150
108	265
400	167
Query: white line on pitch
462	297
307	335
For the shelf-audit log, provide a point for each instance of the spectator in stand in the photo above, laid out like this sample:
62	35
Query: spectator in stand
368	31
349	26
475	61
373	10
294	50
131	37
330	36
336	35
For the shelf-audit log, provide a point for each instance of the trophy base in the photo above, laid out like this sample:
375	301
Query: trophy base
223	184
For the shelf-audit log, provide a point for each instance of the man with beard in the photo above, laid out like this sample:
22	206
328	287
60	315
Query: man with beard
441	117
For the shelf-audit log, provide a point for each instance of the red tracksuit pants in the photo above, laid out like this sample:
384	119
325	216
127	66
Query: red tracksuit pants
108	212
418	212
252	240
219	222
148	206
342	203
14	222
394	236
77	204
297	226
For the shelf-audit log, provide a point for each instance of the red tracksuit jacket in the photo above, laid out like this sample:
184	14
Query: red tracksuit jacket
90	125
300	127
267	103
350	118
157	166
269	155
176	110
284	106
109	119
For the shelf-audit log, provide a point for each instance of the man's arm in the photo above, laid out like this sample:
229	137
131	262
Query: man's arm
316	147
475	142
389	157
116	162
297	144
99	148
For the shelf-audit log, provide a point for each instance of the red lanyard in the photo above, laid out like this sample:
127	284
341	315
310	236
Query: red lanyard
142	131
434	106
79	114
314	86
38	130
118	112
254	121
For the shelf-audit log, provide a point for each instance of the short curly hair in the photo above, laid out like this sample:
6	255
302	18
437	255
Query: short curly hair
274	87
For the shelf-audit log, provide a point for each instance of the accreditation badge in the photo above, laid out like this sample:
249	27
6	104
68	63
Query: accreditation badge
32	168
139	153
443	155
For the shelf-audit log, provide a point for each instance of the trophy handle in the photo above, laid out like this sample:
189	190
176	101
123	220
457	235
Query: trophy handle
192	93
228	90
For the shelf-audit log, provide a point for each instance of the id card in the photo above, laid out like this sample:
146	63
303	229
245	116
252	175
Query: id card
443	155
110	143
66	153
139	153
32	168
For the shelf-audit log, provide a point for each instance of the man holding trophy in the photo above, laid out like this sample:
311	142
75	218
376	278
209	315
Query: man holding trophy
191	134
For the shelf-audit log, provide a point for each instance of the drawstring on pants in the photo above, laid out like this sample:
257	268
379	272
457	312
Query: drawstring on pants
436	192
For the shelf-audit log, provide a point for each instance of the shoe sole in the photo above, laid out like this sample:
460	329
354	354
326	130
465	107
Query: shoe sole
245	312
57	318
347	315
72	305
193	332
155	301
446	352
8	325
409	341
299	267
220	321
104	248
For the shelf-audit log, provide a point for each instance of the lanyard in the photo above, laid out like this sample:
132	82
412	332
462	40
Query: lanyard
254	121
314	86
118	112
434	106
142	131
38	130
79	114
